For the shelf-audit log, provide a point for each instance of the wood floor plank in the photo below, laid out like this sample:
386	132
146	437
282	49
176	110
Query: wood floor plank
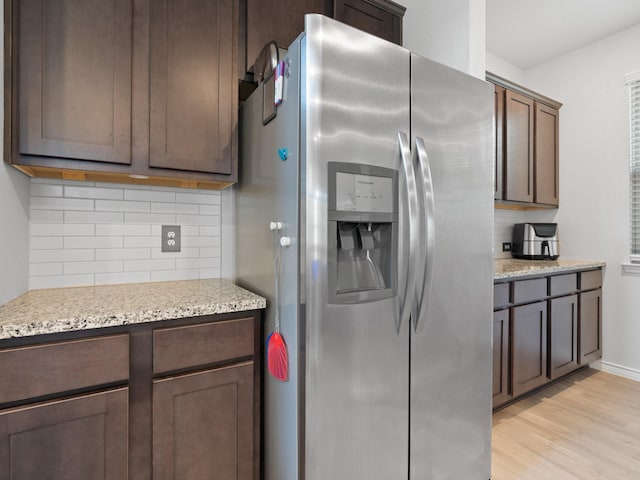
585	427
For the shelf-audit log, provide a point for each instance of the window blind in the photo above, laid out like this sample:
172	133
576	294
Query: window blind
633	82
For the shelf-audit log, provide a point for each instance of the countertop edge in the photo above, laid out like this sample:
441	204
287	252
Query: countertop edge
541	268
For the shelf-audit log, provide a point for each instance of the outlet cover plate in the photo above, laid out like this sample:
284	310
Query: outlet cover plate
170	238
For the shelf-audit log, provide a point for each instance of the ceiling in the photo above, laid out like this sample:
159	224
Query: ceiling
526	33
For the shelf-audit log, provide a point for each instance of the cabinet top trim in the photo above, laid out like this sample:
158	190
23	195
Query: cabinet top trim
392	7
503	82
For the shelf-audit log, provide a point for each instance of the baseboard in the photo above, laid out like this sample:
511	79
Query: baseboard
614	369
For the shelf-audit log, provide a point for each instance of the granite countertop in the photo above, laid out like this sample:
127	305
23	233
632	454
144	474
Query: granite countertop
510	268
57	310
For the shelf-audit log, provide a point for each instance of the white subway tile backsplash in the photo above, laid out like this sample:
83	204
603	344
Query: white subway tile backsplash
54	203
58	281
93	217
209	210
44	190
208	198
123	253
161	218
60	255
40	269
71	268
123	230
45	243
184	208
149	195
60	229
122	206
84	233
46	216
167	275
183	253
92	242
93	192
200	241
149	265
140	242
209	273
122	277
198	219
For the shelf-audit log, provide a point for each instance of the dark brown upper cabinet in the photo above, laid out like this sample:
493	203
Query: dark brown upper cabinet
526	155
74	80
283	20
117	90
193	92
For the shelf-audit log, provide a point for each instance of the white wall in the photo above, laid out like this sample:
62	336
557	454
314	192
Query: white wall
14	225
451	32
504	69
594	185
14	218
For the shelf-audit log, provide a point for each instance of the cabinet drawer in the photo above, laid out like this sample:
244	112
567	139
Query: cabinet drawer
563	284
529	290
190	346
590	280
500	295
38	370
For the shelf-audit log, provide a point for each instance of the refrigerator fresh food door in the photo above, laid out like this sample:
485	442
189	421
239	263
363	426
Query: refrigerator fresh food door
355	101
450	432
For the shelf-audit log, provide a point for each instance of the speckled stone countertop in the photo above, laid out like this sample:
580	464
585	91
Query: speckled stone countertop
510	268
81	308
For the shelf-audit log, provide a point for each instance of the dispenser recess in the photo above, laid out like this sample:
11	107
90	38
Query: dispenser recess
362	228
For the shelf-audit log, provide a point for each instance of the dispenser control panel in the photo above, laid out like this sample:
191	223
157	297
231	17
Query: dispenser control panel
363	193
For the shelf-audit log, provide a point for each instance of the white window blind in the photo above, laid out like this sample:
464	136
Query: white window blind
633	81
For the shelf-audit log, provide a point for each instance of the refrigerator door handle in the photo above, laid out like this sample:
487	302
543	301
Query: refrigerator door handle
427	235
409	234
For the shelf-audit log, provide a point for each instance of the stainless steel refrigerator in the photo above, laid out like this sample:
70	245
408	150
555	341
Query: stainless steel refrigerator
378	166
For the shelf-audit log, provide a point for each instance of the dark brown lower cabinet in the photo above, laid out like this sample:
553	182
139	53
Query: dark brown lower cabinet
203	426
500	357
529	346
590	326
84	437
563	335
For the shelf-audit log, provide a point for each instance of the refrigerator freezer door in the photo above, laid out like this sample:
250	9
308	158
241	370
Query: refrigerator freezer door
450	432
356	390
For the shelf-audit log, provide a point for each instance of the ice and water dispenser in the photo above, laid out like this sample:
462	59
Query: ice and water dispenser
363	232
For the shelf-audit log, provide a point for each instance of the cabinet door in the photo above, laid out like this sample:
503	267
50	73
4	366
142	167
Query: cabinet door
518	161
590	330
193	93
498	159
203	423
563	335
74	79
78	438
500	357
380	18
546	154
280	21
529	348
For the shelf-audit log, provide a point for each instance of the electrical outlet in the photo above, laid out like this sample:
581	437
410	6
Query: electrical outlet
506	246
170	238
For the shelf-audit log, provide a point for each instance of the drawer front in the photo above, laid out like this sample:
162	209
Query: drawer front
500	295
190	346
38	370
590	280
563	284
529	290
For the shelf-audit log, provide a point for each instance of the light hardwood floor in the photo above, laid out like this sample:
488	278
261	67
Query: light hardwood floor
585	427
